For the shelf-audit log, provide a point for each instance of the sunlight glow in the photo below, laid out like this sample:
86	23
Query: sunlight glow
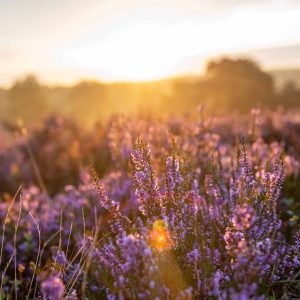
146	50
135	52
138	40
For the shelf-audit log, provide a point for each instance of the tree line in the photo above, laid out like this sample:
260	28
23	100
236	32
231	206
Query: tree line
227	85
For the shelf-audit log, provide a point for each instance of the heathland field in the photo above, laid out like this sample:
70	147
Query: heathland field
147	208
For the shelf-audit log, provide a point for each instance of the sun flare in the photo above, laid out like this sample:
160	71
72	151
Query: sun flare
139	50
138	40
160	236
134	52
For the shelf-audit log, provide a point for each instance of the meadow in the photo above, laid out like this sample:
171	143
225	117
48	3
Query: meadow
152	208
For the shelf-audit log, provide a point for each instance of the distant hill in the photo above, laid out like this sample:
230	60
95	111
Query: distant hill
282	76
283	62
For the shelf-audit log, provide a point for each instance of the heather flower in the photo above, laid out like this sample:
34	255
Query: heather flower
144	179
207	221
52	288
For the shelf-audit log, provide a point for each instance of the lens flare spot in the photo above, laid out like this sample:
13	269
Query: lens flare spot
159	236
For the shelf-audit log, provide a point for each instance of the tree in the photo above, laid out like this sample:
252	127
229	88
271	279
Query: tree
238	84
289	95
27	100
85	102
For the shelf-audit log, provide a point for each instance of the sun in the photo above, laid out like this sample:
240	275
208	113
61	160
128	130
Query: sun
140	52
134	52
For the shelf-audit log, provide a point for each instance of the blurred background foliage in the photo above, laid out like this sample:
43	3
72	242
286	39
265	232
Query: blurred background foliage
227	85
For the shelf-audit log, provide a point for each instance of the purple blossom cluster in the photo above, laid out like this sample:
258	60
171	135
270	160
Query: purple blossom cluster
221	239
184	210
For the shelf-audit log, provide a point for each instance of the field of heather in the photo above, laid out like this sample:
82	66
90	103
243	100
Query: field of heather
148	208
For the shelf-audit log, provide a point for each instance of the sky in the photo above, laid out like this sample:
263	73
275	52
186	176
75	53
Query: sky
64	40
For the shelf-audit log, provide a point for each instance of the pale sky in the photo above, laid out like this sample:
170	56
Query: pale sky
64	40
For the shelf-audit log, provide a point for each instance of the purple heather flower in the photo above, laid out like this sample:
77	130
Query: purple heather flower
53	288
